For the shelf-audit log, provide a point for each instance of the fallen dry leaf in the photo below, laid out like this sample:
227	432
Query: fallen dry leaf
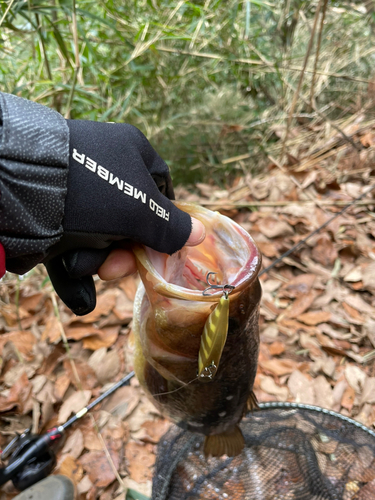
84	485
353	315
356	377
71	468
348	398
52	330
129	285
106	338
19	396
32	302
324	251
24	342
267	384
86	375
368	392
80	332
354	275
140	460
155	429
302	303
73	404
275	228
368	277
96	464
61	386
315	317
299	285
276	348
74	444
123	308
104	305
279	366
323	392
105	364
301	388
122	402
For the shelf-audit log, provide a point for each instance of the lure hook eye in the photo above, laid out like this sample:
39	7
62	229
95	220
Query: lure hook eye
212	286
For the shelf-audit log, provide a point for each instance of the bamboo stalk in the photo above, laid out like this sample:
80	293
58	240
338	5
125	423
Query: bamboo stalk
299	85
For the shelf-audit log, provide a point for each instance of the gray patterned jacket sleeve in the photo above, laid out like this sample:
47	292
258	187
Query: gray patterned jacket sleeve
34	150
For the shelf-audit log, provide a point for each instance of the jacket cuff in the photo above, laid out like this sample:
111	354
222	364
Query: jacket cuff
34	159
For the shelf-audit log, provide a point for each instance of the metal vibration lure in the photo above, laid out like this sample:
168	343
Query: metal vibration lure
214	334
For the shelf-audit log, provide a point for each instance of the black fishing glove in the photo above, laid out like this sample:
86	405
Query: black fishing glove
118	188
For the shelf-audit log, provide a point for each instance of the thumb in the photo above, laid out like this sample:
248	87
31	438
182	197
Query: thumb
162	226
198	233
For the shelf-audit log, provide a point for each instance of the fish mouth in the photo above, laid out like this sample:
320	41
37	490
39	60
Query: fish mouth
227	256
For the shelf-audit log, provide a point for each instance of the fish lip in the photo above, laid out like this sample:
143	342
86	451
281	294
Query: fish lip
242	281
244	278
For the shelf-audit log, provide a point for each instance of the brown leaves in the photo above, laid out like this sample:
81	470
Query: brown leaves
18	396
315	317
23	341
73	404
317	330
99	470
278	366
140	461
274	228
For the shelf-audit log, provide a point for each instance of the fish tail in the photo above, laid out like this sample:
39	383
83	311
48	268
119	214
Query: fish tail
230	443
252	402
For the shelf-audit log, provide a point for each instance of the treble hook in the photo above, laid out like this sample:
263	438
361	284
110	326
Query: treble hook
211	286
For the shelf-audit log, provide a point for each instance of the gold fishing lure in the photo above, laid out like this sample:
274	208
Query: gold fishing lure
214	334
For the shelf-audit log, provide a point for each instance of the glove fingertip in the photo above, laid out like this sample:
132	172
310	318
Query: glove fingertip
85	300
77	294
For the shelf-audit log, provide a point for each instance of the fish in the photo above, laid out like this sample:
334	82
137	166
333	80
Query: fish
201	296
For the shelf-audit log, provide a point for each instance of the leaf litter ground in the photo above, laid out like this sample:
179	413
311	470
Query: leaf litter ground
317	322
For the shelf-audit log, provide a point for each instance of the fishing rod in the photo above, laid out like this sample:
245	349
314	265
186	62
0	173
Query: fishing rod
32	457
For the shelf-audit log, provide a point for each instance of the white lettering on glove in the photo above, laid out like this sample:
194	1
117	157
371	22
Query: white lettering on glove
127	188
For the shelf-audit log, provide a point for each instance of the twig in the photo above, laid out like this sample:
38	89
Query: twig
313	233
333	125
17	300
6	12
65	340
249	204
318	51
298	89
77	63
297	183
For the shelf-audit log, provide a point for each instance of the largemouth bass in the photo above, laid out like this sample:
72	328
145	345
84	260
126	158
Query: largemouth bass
196	351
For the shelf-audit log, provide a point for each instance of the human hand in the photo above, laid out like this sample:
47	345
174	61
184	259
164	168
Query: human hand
121	261
118	190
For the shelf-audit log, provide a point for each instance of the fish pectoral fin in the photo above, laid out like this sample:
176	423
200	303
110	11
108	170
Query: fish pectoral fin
229	443
252	402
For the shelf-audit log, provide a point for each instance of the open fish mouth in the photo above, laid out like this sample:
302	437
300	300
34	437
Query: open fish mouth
228	251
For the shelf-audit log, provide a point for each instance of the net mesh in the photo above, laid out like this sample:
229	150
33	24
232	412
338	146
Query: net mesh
292	452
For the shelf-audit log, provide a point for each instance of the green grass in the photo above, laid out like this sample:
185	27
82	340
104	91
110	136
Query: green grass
205	81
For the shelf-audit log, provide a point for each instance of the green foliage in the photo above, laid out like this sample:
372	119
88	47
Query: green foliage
204	80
